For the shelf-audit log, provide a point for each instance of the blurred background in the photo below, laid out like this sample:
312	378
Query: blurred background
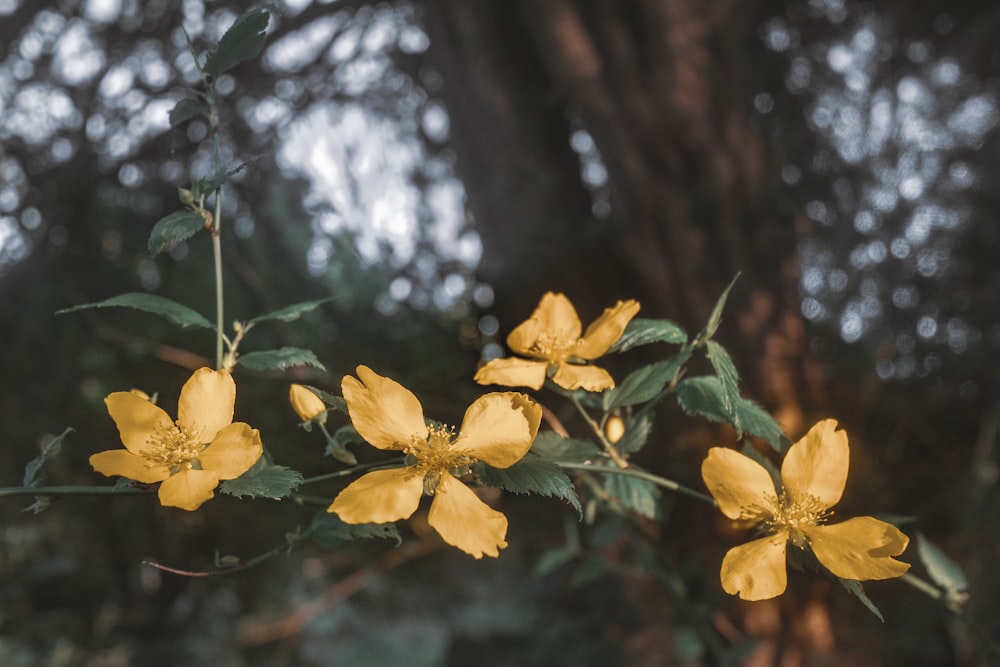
435	167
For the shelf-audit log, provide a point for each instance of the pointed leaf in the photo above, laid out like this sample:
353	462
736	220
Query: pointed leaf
702	396
854	587
208	186
263	480
725	370
176	313
532	474
243	41
643	331
174	228
334	401
715	319
186	109
633	494
945	572
328	531
290	313
280	359
644	383
554	447
34	472
636	433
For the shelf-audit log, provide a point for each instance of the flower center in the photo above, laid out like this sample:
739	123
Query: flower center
434	456
174	447
794	517
553	345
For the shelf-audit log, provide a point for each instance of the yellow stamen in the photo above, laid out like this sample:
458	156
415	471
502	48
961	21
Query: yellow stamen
794	517
172	446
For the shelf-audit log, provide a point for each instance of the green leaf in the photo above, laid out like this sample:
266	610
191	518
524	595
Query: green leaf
532	474
280	359
337	445
715	319
289	313
854	587
643	331
554	447
944	571
702	396
644	383
176	313
328	531
34	471
263	480
636	434
187	109
334	401
725	370
552	560
207	186
243	41
633	494
174	228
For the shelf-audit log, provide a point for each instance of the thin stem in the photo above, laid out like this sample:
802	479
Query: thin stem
609	449
72	491
639	474
219	319
381	465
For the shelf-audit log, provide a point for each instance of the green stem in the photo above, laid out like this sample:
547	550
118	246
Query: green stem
639	474
219	321
72	491
609	449
381	465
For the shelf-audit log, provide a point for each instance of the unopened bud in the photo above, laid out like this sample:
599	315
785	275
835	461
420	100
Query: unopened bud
186	196
614	429
307	405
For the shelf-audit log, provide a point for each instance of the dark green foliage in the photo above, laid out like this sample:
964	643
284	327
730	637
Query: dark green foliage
329	532
175	312
643	331
532	474
34	471
337	445
644	383
729	380
243	41
174	228
704	396
632	494
637	432
186	109
289	313
263	480
554	447
280	359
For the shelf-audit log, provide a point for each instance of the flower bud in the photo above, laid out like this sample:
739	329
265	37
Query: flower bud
307	405
185	195
614	429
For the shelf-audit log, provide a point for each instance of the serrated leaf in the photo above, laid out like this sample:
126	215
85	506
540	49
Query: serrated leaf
944	571
643	331
263	480
186	109
328	531
715	319
289	313
532	474
554	447
176	313
174	228
854	588
644	383
243	41
702	396
34	471
280	359
729	378
633	494
636	434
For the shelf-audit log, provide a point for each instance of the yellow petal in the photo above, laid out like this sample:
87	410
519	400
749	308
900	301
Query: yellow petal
125	463
554	318
523	338
817	465
235	449
756	570
306	404
380	496
206	403
137	419
741	486
606	329
859	548
384	412
513	372
466	522
589	378
499	428
188	489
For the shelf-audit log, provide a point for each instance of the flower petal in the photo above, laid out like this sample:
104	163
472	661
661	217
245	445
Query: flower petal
513	372
206	403
817	465
306	404
235	449
859	548
384	412
756	570
137	419
466	522
589	378
606	329
126	464
188	489
741	486
554	318
380	496
499	428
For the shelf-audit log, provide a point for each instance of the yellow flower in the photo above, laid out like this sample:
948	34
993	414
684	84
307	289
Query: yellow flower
190	456
307	405
813	475
551	337
498	429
